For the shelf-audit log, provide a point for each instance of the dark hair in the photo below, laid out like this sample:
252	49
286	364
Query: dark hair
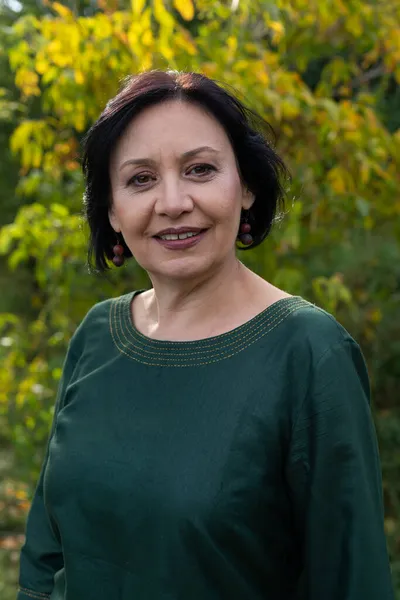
261	169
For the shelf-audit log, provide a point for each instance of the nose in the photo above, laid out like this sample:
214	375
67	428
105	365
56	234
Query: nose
173	198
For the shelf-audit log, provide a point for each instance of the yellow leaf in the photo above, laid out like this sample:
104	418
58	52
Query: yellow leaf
368	222
277	31
134	31
61	10
20	494
102	31
364	172
337	180
20	399
147	38
137	6
262	76
20	136
210	69
147	62
241	65
27	81
184	41
79	78
390	526
30	422
354	26
342	7
36	156
376	315
185	8
56	373
42	66
79	122
287	130
232	43
165	48
50	74
352	136
290	108
72	165
162	15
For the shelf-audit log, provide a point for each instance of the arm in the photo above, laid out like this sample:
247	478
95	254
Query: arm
41	555
334	478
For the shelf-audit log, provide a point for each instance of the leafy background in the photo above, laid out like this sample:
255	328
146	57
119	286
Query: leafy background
324	73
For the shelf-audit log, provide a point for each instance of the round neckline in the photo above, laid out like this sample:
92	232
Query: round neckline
131	342
217	337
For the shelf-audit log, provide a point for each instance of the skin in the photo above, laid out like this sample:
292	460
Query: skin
204	290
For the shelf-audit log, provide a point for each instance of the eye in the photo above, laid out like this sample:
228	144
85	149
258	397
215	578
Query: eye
141	179
200	170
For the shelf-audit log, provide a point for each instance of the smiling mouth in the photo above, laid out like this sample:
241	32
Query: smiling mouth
179	236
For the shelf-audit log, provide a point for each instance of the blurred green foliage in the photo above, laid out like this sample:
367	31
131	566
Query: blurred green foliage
325	74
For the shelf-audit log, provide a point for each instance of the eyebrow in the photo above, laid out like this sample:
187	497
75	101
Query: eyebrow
188	154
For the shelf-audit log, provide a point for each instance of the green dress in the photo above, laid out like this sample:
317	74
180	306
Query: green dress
238	467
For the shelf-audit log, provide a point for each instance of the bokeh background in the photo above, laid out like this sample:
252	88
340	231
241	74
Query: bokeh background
324	73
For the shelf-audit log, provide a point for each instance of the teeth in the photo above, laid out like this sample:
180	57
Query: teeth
176	236
183	236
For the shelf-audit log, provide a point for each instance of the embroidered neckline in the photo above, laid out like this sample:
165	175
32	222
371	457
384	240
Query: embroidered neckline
163	353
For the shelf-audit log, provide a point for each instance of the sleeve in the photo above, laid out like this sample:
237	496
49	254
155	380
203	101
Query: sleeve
41	555
335	484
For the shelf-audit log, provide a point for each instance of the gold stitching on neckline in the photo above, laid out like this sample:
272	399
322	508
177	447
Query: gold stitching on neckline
226	344
203	352
34	594
125	302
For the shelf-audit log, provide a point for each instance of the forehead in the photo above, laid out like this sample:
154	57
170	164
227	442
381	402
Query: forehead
175	126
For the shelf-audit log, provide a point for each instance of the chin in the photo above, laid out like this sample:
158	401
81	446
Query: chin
182	270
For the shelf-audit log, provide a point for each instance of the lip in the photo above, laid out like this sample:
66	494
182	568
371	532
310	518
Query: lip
182	244
178	230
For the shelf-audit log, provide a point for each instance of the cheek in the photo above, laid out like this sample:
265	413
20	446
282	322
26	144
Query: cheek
228	204
230	193
133	213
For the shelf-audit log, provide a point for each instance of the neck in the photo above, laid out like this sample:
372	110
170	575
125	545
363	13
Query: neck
196	306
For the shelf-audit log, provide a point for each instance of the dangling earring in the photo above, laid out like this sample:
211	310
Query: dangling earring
118	250
245	236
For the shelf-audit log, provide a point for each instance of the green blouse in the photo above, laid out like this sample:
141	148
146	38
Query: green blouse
238	467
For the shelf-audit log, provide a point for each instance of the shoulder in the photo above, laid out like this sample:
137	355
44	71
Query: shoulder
312	330
329	355
328	369
95	325
317	347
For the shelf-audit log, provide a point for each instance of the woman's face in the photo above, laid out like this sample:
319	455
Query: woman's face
173	173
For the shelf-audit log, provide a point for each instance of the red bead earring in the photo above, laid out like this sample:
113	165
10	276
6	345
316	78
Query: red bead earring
245	236
118	250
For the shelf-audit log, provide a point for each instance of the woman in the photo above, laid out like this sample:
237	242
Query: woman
212	436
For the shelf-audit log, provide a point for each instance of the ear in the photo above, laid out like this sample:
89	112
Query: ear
114	221
247	199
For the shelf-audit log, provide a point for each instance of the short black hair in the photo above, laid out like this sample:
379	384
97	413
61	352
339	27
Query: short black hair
261	169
